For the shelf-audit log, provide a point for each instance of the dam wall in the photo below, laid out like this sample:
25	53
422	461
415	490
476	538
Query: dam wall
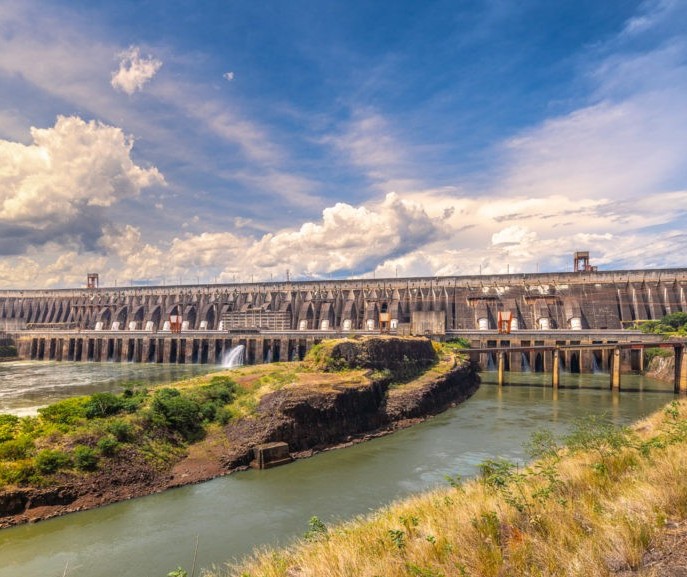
282	321
436	305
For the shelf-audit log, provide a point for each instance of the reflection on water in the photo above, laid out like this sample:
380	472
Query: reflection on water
27	385
148	537
598	380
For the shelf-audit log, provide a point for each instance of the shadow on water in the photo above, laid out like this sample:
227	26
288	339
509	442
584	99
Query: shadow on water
598	380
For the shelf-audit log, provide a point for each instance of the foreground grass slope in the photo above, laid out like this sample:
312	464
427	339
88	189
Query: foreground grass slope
593	508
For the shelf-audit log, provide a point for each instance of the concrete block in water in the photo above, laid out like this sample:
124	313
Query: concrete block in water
270	455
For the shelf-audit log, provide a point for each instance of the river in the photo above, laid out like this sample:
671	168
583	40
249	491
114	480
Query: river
149	537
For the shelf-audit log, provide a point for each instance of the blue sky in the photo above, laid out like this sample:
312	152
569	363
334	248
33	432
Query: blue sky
167	141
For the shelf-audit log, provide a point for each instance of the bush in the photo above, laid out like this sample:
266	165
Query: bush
102	405
19	473
85	458
108	446
650	354
67	412
222	389
178	413
49	461
121	430
8	427
16	449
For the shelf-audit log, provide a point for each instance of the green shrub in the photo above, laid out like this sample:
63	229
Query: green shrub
650	354
178	413
108	446
85	458
67	412
121	430
18	473
102	405
8	427
223	415
132	399
50	460
459	343
16	449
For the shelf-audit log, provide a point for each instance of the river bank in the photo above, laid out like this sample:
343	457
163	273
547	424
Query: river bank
320	410
610	502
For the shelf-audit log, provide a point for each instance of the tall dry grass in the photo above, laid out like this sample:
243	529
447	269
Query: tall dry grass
591	509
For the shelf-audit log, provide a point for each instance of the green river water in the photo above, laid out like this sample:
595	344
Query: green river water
149	537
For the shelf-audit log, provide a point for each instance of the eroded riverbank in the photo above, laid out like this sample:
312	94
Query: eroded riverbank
325	410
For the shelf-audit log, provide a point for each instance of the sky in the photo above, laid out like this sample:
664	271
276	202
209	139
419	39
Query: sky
174	141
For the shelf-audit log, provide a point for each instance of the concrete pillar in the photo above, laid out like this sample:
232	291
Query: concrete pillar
556	368
680	370
284	350
502	367
259	351
515	362
615	369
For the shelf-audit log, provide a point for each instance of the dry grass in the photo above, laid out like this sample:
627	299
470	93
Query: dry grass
572	513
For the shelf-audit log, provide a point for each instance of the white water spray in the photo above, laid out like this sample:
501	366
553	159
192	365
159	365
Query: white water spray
234	357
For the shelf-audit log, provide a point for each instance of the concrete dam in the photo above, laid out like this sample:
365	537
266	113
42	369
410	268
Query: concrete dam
281	321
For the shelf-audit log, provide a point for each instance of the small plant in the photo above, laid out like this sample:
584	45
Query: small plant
50	461
398	538
85	458
108	446
178	572
598	435
316	529
16	449
66	412
121	430
8	427
102	405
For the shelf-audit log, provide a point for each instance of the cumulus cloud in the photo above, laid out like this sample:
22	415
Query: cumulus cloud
134	71
62	180
350	238
347	240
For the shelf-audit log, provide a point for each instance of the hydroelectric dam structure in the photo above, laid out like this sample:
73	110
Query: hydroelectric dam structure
582	313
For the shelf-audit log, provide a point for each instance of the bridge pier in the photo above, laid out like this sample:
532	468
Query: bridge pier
680	370
615	369
556	368
502	367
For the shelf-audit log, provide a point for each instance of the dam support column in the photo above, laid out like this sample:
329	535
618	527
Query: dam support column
502	367
556	368
615	369
680	370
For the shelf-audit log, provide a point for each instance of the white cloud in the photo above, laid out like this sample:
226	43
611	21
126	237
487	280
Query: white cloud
134	71
68	167
228	76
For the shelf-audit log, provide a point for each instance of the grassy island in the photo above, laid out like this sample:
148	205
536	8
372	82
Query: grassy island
88	451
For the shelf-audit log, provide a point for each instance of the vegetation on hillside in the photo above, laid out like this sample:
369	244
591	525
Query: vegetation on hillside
673	324
80	434
591	507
